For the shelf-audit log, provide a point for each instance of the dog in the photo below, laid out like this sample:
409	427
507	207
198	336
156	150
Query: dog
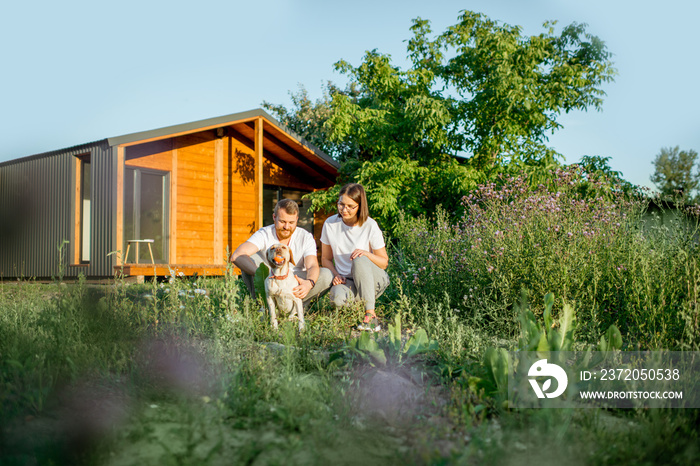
279	285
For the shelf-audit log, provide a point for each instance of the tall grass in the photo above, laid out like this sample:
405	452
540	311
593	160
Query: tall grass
189	371
589	243
50	333
185	371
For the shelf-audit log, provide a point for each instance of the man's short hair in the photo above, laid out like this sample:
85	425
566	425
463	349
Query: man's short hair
288	205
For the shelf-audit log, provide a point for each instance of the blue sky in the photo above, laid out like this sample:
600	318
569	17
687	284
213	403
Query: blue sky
78	71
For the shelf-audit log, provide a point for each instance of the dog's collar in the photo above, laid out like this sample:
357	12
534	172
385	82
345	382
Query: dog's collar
281	277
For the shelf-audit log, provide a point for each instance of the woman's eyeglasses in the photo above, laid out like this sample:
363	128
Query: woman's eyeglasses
350	208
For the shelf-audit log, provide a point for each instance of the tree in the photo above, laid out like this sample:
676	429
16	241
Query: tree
475	98
675	173
308	118
508	89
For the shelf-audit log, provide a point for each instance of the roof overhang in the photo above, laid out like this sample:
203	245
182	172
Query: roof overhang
279	143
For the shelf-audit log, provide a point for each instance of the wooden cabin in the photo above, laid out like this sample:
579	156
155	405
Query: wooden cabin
176	198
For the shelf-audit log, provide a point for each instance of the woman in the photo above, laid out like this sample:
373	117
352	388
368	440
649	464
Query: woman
353	248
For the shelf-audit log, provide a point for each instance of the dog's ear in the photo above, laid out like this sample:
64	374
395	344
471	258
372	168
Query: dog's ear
270	253
291	256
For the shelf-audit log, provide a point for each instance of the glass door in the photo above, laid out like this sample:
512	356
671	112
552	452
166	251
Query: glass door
146	207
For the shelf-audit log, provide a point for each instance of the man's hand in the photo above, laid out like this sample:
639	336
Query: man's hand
338	279
301	290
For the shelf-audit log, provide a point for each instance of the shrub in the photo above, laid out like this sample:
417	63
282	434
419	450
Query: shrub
579	236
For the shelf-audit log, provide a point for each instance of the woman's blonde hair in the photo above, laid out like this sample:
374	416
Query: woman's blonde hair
357	193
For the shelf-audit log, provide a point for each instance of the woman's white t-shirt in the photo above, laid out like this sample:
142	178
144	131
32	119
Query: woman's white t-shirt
343	240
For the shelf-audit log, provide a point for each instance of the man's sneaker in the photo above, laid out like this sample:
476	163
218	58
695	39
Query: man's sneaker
372	325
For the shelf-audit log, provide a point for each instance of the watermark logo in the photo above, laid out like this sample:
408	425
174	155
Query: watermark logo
542	368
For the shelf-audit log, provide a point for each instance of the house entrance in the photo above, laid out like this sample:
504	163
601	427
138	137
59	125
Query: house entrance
146	195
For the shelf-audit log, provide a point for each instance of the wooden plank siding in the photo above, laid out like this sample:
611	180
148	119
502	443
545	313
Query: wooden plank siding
201	233
215	193
172	251
153	155
259	149
119	207
239	194
194	205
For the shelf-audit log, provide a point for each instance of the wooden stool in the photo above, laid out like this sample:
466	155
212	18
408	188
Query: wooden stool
139	241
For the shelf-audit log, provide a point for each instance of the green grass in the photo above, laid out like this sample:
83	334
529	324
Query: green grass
156	374
189	372
89	377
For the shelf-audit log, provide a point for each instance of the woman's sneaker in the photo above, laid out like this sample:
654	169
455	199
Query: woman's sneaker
371	325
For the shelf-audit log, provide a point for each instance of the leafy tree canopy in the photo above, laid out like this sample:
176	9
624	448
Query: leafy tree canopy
475	98
676	172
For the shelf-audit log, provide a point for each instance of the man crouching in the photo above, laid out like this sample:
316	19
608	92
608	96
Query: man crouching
312	280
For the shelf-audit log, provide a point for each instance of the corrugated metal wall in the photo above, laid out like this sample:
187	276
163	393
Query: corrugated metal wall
36	213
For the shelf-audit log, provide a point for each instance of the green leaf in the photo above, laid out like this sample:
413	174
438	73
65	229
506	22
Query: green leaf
530	332
614	337
260	275
562	338
548	303
567	325
336	356
418	343
395	334
15	363
368	345
543	345
378	357
612	340
497	362
603	344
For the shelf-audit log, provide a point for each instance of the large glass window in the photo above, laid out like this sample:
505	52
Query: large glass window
82	210
146	194
272	194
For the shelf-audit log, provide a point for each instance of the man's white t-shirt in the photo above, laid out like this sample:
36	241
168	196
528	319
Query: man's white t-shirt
301	244
343	240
